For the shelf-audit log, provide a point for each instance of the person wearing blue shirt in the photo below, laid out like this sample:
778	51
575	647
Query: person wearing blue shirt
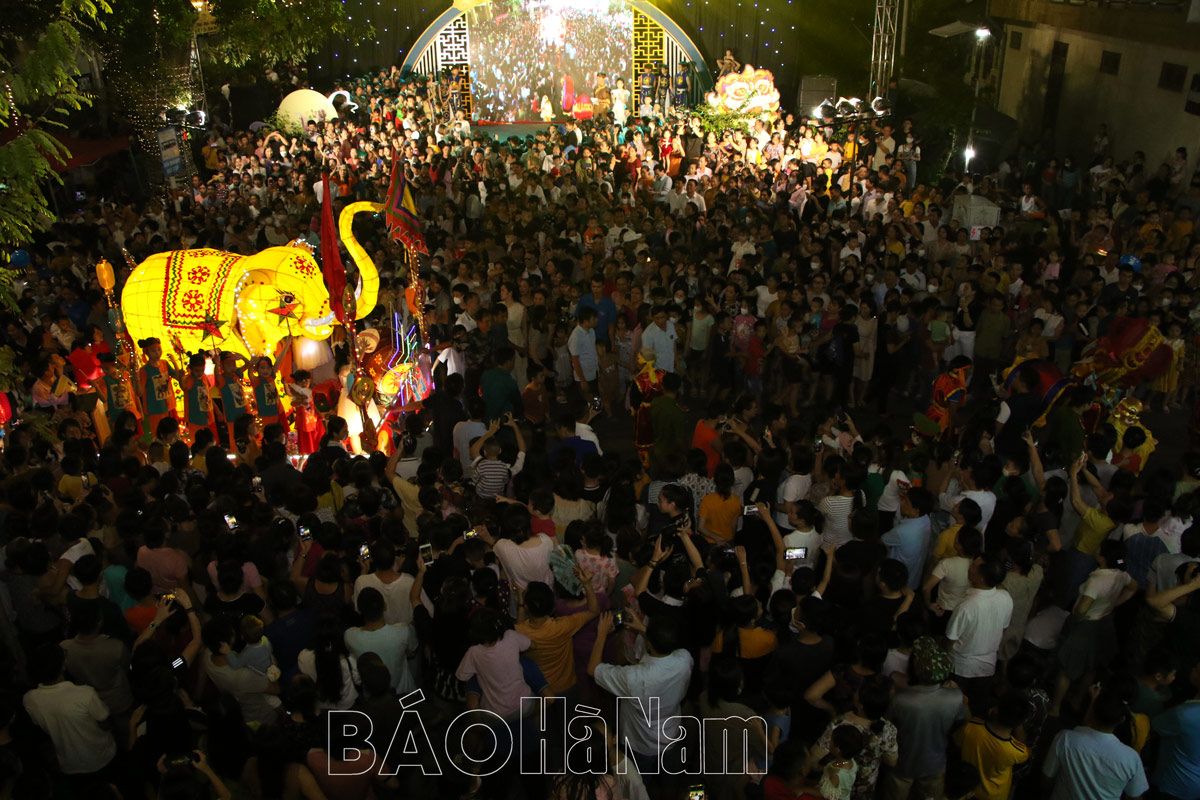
908	542
606	309
1090	762
1177	771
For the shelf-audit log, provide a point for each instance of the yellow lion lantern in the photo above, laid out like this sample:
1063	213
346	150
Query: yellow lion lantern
209	299
751	91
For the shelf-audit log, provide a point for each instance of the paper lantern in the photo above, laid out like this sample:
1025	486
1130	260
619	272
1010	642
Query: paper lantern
207	299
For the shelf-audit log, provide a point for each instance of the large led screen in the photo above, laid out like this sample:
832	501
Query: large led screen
525	50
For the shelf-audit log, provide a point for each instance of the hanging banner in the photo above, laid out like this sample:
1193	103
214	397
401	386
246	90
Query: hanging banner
168	147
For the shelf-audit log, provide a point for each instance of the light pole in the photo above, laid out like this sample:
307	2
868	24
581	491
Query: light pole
981	38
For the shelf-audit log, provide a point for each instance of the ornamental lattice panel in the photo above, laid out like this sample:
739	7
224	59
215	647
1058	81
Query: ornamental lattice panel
453	48
649	47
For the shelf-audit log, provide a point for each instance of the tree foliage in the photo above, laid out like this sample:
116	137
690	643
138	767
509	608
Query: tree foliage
38	89
261	33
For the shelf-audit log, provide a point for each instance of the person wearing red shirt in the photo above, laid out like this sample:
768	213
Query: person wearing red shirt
707	436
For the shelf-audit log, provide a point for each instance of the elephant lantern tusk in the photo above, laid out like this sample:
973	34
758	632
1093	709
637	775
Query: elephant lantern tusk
316	323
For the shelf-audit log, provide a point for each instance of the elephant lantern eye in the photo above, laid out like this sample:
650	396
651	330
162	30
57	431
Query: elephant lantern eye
289	299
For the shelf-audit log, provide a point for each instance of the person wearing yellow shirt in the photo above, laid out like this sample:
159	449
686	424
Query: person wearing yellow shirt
966	513
76	481
552	637
744	638
1096	523
994	747
719	510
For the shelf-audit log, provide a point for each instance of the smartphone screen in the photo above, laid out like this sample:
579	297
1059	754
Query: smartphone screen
231	522
305	533
426	552
795	553
618	619
471	534
750	510
364	551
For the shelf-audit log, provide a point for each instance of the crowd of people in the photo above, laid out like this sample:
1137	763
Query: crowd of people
671	463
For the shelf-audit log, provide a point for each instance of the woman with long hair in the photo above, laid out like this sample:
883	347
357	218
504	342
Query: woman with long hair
329	664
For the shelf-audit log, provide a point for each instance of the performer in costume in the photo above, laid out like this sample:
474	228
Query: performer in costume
683	86
646	385
154	385
568	93
601	96
620	102
266	396
233	396
309	427
198	408
646	81
118	397
662	87
950	393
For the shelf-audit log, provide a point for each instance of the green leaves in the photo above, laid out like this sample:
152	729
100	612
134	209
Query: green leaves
37	92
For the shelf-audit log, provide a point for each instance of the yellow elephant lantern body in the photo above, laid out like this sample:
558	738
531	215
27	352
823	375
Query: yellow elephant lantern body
209	299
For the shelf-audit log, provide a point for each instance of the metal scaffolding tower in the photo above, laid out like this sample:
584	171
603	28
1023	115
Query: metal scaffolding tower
883	46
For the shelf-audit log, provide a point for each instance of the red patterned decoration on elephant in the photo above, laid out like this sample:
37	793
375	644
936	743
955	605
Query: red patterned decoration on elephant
1131	351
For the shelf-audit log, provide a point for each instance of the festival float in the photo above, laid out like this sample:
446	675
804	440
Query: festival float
209	301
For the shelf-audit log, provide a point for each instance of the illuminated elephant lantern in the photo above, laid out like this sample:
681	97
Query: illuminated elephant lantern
1129	352
209	299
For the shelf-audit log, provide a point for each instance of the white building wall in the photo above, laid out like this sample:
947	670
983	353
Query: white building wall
1139	115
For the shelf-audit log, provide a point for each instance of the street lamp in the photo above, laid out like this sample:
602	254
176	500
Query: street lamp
981	38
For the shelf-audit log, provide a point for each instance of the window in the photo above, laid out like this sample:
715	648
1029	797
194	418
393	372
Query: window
1110	62
1015	40
1172	77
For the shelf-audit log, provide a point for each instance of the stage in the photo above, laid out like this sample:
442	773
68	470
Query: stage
503	130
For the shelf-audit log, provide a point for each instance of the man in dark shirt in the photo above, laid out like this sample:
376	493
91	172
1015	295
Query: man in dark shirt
1023	407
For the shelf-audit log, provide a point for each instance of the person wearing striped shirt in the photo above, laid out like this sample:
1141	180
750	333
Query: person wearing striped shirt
491	474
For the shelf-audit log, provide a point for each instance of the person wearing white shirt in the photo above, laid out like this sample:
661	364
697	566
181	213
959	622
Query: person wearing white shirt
661	337
695	198
584	431
676	199
984	497
662	676
977	625
71	715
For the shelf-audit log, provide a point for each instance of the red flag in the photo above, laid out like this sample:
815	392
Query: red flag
331	257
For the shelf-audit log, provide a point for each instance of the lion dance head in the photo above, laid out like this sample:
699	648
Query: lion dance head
751	91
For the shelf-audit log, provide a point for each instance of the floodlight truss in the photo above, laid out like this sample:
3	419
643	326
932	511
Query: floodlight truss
883	45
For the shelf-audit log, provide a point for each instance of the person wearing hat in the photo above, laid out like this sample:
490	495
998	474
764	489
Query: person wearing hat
950	393
601	96
645	86
924	714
